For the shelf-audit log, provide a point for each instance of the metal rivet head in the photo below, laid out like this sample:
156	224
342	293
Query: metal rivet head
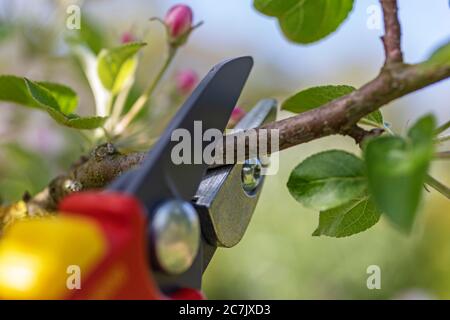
175	236
251	175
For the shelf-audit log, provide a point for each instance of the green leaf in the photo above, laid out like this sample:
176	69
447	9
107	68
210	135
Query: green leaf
274	8
315	97
66	98
352	217
115	66
84	123
14	89
57	100
25	170
42	96
375	118
306	21
422	132
328	179
318	96
12	190
397	168
441	55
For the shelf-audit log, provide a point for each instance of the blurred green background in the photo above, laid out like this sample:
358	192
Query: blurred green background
278	258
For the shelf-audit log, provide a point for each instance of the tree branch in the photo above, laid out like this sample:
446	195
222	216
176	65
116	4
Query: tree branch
392	37
360	135
94	171
339	116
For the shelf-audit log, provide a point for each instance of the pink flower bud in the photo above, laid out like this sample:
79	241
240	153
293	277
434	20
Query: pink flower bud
179	20
237	114
127	37
186	80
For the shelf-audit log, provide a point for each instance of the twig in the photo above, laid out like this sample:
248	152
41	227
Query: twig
443	139
360	135
443	128
445	155
392	37
438	186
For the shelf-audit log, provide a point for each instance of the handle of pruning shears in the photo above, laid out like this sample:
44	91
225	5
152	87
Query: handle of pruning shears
96	248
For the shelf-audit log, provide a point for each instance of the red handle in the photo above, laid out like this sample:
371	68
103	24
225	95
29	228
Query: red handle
123	272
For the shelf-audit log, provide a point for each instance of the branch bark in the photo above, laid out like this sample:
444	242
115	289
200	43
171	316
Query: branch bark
93	171
340	116
392	37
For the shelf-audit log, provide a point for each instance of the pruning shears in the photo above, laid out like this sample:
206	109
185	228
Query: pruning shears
152	233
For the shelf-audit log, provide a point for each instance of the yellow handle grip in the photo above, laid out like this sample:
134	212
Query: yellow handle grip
37	254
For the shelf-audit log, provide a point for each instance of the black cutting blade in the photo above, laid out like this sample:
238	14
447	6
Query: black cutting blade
160	179
212	103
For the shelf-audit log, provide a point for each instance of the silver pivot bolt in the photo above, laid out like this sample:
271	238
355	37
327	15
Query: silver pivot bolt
175	236
251	175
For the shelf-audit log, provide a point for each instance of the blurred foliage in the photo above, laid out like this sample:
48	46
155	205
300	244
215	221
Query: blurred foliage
278	258
5	30
442	54
397	168
434	250
92	35
24	171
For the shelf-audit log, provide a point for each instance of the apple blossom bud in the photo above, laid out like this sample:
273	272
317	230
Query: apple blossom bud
179	21
186	80
127	37
237	114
